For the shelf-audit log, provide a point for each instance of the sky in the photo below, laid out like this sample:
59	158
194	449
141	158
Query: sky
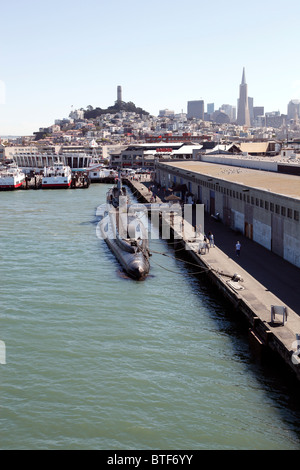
68	54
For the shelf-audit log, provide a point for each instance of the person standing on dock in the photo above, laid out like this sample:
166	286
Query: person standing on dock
203	246
206	242
238	248
211	239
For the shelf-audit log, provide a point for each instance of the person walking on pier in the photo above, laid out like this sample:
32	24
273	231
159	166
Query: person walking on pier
238	248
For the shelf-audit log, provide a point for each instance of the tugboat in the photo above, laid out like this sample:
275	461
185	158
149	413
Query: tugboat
125	234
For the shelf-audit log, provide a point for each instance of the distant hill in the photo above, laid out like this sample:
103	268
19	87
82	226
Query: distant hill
117	107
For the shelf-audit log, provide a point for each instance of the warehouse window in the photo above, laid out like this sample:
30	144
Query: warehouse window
289	213
296	215
283	211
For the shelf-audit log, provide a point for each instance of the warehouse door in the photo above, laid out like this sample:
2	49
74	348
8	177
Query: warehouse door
212	206
276	235
248	230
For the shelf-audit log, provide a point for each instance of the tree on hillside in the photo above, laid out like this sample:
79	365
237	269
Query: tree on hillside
91	113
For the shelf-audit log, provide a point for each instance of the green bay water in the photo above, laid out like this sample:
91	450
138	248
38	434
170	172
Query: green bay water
97	361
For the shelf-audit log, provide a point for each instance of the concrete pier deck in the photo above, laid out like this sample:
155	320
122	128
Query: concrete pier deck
266	280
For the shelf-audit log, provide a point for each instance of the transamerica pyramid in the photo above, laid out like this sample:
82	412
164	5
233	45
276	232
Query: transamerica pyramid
243	115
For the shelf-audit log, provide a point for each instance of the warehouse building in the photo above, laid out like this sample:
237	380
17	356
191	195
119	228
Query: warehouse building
264	206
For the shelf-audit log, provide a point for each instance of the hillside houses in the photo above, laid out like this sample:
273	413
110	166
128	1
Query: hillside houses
123	129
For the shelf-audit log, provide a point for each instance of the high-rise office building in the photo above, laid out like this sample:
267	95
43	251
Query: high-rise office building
250	105
210	108
243	115
258	111
230	111
293	111
195	109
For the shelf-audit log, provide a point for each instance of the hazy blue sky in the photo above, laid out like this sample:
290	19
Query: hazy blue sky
65	53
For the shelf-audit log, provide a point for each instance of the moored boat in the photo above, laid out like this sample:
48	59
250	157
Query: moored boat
57	176
99	173
11	177
125	234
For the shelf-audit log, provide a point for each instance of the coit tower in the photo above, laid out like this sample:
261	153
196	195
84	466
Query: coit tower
119	93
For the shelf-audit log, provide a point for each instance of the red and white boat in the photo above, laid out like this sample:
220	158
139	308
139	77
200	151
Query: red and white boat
11	177
57	176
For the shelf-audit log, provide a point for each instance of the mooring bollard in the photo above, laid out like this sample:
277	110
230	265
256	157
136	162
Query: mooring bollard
279	310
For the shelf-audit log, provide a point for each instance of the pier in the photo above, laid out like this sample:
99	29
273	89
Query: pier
261	287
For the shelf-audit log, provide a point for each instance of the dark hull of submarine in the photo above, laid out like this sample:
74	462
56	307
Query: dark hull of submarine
132	252
135	263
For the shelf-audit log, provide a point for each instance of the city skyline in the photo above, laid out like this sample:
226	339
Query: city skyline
63	56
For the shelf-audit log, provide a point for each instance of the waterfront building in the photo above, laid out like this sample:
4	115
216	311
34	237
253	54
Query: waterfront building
223	153
294	144
36	157
38	161
243	115
145	155
262	205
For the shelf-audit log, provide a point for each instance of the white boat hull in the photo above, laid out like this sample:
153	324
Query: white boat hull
11	178
56	182
10	185
58	176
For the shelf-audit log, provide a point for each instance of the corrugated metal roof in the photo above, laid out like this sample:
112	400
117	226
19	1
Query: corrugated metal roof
187	149
277	183
254	147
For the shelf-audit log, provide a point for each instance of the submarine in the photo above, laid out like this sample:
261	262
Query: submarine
125	233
